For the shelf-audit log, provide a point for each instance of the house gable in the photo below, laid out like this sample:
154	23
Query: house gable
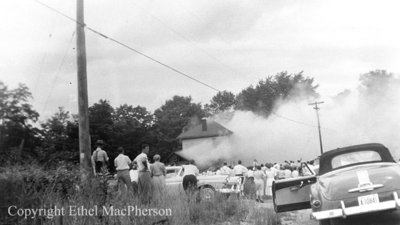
206	129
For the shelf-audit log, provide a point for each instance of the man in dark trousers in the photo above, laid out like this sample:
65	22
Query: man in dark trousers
190	173
99	158
122	165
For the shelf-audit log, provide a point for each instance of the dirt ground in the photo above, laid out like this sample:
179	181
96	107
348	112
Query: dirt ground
301	217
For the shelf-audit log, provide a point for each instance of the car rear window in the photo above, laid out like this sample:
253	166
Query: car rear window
355	158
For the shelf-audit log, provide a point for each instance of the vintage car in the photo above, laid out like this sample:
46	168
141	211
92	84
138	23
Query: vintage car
207	184
352	182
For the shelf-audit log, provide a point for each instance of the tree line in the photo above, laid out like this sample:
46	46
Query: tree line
23	138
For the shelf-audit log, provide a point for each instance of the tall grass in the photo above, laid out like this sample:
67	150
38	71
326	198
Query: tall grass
33	188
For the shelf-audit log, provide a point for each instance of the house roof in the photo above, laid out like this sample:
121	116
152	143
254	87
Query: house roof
174	154
214	129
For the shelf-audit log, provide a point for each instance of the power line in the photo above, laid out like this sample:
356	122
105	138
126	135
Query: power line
153	59
299	122
58	71
129	47
188	40
42	61
295	121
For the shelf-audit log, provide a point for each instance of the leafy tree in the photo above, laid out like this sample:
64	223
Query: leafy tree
377	82
222	101
59	142
172	117
55	127
17	117
131	127
135	116
101	121
378	89
263	96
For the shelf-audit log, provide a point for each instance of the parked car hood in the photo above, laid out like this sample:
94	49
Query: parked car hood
335	185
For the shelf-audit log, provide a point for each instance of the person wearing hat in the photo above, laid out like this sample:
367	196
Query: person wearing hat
122	165
99	157
158	173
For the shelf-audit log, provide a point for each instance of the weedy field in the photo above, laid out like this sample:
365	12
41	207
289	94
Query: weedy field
31	187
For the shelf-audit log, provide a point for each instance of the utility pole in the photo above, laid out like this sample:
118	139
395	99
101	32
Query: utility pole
84	136
319	126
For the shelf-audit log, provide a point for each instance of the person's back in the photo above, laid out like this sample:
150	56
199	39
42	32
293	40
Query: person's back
122	165
158	169
99	158
122	162
249	186
144	179
295	172
239	169
158	173
190	173
259	175
269	173
225	170
142	162
190	170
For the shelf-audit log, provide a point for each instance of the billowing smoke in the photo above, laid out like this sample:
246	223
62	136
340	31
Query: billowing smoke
369	114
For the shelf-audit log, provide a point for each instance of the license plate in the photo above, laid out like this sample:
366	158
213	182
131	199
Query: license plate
368	199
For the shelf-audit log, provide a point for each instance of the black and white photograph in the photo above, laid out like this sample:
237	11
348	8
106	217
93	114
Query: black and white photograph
206	112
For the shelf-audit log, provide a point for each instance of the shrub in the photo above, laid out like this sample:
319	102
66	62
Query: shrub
32	187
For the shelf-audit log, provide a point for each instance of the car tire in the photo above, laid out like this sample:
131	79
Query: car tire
207	193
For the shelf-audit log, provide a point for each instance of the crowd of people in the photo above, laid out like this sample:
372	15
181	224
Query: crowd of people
148	180
257	179
139	177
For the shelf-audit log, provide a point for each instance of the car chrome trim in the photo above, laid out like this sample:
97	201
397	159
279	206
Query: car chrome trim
228	190
369	187
355	210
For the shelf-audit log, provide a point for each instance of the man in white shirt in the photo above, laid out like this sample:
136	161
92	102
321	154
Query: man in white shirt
144	180
190	173
240	171
99	158
122	165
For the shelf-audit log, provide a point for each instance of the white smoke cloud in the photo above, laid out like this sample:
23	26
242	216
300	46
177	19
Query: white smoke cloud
350	118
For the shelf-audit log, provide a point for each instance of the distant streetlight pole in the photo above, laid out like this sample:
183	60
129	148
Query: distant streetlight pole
315	104
84	136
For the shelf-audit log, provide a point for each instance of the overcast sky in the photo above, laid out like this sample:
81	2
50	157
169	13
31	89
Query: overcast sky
228	44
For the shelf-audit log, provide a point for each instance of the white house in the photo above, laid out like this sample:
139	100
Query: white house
196	134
